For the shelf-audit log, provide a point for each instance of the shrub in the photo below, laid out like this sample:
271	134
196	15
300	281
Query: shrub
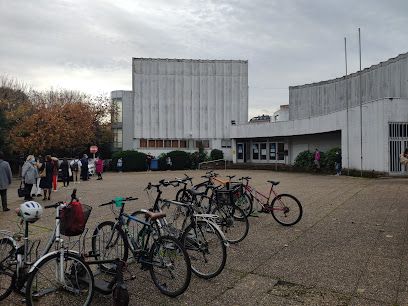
216	154
132	160
329	158
180	160
304	160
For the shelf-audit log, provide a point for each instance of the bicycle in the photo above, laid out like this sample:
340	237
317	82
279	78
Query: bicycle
231	219
285	208
161	254
51	279
200	235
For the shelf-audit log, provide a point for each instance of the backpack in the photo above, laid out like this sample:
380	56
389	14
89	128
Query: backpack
75	166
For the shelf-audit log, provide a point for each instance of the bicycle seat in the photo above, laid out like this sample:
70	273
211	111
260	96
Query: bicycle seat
274	183
154	216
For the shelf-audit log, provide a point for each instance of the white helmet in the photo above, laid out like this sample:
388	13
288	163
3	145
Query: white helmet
30	211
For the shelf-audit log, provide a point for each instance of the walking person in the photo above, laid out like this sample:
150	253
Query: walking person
99	167
5	180
169	162
46	179
76	168
29	175
36	191
55	167
149	158
65	167
337	163
404	158
119	164
84	168
316	157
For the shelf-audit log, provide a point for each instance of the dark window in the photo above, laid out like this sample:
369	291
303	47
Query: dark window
263	151
143	143
174	144
281	151
159	143
167	143
152	143
183	144
272	151
255	151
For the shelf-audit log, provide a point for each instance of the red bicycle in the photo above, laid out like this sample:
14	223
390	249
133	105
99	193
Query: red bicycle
285	208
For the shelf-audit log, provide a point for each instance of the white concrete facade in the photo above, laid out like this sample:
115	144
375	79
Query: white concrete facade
188	100
333	106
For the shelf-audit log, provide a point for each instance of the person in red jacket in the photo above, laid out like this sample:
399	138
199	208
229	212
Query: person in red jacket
99	167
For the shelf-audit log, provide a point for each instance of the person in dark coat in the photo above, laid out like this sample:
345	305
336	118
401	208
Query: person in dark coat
65	172
84	168
46	181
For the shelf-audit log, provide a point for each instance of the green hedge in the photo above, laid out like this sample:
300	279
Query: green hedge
216	154
305	160
132	160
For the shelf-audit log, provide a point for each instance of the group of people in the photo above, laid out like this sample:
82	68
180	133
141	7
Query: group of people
40	175
337	161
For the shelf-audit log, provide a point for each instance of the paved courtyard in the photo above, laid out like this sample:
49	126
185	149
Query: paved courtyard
350	247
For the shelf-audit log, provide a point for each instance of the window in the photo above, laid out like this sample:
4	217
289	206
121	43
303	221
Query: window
272	151
263	151
255	151
174	144
152	143
117	111
225	143
183	144
203	143
143	143
167	143
240	151
281	151
159	143
117	138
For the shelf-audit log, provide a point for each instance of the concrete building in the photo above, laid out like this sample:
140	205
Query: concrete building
364	113
181	104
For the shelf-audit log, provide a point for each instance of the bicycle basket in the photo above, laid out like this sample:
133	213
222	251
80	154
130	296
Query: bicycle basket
73	219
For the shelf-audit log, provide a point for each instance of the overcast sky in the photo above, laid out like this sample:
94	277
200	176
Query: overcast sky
88	45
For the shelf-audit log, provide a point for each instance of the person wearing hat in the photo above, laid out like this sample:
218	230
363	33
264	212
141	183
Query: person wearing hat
5	180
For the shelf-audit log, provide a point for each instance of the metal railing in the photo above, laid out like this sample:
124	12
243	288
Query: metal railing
213	161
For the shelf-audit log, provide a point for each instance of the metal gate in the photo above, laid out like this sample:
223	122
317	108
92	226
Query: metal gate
398	142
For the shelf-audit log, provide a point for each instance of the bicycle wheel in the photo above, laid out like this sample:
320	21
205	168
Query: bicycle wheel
245	203
183	196
232	221
206	249
170	266
7	275
286	209
108	243
53	282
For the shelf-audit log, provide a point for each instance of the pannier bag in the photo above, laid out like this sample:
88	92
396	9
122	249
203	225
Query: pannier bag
73	218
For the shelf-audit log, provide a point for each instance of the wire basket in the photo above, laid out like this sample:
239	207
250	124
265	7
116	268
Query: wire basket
229	196
73	219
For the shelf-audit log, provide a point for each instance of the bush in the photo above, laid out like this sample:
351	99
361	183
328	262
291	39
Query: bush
132	160
328	159
304	160
216	154
180	160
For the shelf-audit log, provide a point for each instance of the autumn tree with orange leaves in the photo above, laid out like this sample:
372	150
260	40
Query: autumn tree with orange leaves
62	122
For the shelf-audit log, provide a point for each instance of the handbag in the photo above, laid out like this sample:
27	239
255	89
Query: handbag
21	190
43	172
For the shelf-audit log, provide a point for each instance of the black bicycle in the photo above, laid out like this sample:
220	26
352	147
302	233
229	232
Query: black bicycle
164	256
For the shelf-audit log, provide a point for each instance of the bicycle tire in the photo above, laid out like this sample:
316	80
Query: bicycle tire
278	201
75	280
120	245
169	245
183	196
195	249
232	221
7	276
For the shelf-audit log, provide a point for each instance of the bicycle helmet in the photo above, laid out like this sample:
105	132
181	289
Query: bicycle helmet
30	211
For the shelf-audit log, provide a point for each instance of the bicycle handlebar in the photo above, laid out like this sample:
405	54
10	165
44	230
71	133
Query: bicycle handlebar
123	200
54	205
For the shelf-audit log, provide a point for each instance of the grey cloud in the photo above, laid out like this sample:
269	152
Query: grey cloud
286	42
